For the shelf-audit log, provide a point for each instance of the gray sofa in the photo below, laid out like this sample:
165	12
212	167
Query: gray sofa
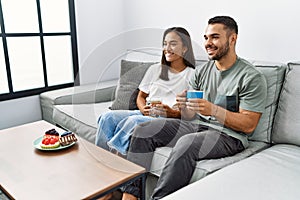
78	108
272	174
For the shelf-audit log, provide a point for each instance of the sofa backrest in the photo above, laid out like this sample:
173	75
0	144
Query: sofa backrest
132	73
287	119
274	73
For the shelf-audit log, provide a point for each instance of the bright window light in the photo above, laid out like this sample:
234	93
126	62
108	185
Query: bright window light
55	18
25	62
26	19
58	59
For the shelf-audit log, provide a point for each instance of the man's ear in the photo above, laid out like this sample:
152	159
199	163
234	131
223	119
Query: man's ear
233	38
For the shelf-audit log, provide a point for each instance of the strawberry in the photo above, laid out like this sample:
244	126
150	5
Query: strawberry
47	141
52	141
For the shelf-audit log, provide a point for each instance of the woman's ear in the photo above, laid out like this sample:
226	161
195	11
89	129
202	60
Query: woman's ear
184	50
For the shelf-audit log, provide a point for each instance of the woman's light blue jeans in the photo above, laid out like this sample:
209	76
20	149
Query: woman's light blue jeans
115	128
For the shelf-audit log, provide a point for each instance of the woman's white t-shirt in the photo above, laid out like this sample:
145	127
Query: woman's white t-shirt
166	90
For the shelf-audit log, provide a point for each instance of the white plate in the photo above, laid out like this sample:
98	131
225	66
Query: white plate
37	144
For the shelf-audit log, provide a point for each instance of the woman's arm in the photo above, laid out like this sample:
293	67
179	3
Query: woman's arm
141	103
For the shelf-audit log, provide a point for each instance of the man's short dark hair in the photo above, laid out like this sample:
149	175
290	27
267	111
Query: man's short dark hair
227	21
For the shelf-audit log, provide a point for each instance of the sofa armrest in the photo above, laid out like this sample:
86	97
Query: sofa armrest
84	94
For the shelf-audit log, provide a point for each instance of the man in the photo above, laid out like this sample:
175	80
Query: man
213	127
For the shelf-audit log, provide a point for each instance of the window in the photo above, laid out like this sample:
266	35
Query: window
38	47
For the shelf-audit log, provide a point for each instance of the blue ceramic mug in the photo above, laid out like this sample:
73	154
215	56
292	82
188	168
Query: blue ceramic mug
194	94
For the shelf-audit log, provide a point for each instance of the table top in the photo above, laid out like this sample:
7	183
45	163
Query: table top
79	172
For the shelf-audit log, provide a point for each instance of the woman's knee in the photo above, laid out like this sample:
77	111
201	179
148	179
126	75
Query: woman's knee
134	119
105	116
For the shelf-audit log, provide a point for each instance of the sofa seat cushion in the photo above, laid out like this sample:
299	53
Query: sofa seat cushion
272	174
205	167
80	118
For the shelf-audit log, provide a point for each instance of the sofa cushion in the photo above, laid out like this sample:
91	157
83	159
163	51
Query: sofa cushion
286	125
83	94
205	167
132	73
80	118
272	174
274	73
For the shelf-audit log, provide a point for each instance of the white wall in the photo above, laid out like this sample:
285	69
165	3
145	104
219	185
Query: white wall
99	32
268	29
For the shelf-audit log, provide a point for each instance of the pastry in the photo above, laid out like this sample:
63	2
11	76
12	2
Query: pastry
67	138
50	139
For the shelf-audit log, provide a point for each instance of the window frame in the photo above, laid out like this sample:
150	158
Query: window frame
74	48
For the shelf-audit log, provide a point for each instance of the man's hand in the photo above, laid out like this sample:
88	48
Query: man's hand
181	100
201	106
182	105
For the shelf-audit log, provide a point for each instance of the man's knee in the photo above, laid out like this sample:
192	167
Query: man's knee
146	134
140	130
185	144
194	143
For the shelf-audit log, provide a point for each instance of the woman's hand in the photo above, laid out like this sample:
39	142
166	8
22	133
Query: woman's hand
164	110
146	110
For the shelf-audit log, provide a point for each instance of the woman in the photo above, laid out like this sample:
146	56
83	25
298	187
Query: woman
163	80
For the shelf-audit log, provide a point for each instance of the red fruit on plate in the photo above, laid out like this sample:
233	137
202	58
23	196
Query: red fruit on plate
46	142
52	141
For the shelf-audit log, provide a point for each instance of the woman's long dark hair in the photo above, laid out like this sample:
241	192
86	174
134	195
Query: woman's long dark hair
188	57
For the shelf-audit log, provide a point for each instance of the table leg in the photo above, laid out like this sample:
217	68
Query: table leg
143	189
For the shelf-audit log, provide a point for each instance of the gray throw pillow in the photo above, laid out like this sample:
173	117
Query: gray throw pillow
131	75
286	125
274	73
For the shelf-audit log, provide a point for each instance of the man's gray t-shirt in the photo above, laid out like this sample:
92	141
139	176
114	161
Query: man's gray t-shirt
241	86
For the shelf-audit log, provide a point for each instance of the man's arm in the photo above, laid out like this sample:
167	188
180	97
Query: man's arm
244	120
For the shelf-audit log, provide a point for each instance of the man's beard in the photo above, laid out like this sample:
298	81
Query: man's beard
221	52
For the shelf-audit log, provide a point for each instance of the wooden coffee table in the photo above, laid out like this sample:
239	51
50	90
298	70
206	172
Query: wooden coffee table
81	171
